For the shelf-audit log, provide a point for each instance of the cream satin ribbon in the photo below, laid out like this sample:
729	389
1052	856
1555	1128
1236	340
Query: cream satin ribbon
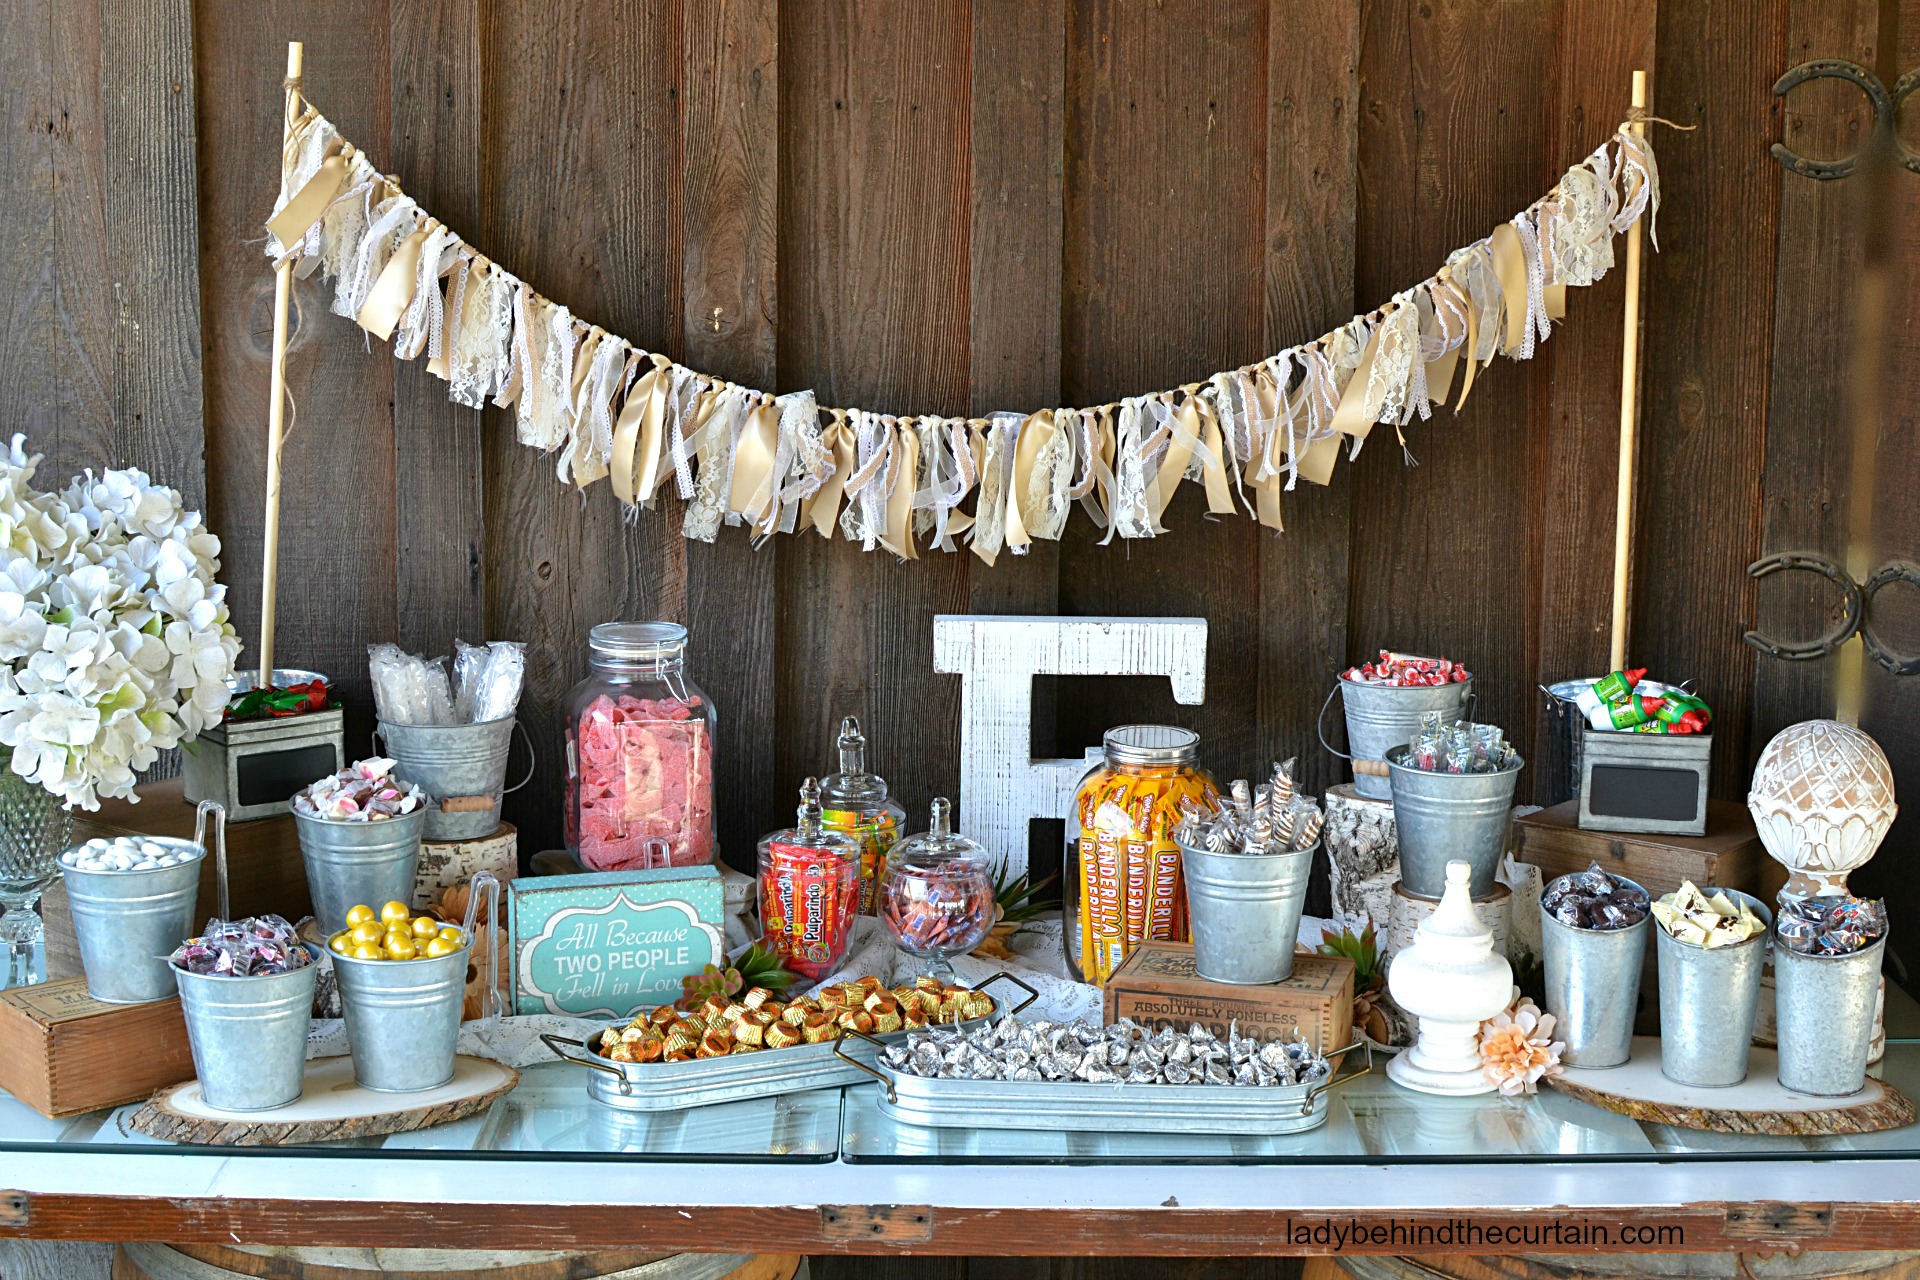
1510	265
297	216
1265	464
1036	432
1219	470
1445	299
391	293
636	436
1095	491
753	458
1357	412
898	537
579	461
822	510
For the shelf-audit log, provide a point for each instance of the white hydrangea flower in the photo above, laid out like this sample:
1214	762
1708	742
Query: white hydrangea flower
115	641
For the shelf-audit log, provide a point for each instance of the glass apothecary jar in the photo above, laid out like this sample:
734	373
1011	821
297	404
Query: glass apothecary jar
1122	883
937	894
855	802
809	891
639	753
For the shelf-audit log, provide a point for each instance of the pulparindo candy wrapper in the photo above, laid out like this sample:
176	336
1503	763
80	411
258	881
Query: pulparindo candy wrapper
808	900
758	1020
1460	747
646	784
1592	899
364	791
1626	701
1688	915
252	948
1831	926
1407	670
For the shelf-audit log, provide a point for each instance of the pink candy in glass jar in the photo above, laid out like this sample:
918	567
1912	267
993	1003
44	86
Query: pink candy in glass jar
639	753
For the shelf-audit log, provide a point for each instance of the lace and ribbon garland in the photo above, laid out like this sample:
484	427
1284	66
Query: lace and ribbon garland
608	409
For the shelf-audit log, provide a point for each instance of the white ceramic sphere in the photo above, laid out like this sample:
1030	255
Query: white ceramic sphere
1822	799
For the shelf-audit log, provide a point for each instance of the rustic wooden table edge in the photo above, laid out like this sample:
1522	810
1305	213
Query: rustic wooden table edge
1737	1206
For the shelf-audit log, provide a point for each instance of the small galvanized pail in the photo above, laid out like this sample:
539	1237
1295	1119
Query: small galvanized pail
1824	1008
1448	817
1245	909
1382	716
461	767
1708	996
403	1016
1593	987
351	863
249	1035
128	922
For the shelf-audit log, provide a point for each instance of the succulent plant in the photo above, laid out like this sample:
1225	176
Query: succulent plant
757	966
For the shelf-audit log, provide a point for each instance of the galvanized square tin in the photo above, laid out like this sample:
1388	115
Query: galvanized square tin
1644	782
253	767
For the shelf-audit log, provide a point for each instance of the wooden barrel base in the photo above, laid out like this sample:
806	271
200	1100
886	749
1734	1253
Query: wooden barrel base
231	1262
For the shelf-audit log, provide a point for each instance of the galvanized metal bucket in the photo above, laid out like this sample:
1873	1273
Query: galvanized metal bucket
249	1035
1381	717
403	1016
128	922
1708	996
1245	909
456	764
1824	1011
1593	987
350	863
1450	817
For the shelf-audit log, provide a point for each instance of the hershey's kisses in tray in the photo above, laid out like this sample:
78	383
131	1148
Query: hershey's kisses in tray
1124	1053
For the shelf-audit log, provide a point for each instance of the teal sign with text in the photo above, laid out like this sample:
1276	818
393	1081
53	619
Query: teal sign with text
609	945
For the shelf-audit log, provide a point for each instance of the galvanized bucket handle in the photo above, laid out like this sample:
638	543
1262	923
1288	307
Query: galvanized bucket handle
1313	1094
1320	721
533	761
485	882
377	741
219	813
592	1060
878	1045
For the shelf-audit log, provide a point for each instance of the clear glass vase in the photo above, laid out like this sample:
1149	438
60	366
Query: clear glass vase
34	830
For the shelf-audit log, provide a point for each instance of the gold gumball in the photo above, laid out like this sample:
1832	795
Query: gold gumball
399	946
359	915
395	913
449	934
367	931
366	951
437	947
425	927
339	944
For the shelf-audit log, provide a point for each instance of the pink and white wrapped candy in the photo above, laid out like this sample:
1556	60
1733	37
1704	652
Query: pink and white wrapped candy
364	791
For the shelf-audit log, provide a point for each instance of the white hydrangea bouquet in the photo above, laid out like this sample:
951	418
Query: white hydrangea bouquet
115	642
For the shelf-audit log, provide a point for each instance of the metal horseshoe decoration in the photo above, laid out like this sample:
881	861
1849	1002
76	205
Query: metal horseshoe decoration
1886	112
1858	620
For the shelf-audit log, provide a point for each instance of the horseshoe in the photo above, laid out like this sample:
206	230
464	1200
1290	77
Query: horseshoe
1898	664
1810	562
1882	102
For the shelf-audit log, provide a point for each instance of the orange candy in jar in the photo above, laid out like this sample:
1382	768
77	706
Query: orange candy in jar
1129	887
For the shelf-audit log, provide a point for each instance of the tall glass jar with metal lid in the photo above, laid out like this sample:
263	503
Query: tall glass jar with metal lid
855	801
639	753
1123	883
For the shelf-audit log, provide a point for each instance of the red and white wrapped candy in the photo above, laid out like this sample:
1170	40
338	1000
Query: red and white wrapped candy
1407	670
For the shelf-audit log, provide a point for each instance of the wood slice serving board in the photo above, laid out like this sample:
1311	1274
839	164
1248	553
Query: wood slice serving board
331	1107
1759	1104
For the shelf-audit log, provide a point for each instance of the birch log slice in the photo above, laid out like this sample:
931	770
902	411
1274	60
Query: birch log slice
1759	1104
1363	857
332	1107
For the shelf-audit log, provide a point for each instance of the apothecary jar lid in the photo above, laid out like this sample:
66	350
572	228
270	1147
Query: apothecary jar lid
1151	744
638	642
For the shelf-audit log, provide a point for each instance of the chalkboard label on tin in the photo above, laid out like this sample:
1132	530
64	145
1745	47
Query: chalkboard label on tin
1636	791
610	945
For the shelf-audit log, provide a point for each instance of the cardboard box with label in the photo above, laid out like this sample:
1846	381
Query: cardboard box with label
1157	986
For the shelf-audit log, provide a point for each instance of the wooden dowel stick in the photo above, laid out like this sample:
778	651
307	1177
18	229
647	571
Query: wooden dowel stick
1629	389
277	409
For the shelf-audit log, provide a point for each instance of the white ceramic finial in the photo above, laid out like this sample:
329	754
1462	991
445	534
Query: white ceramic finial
1452	981
1822	800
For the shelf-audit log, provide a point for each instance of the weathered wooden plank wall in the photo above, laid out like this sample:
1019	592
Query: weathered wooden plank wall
958	207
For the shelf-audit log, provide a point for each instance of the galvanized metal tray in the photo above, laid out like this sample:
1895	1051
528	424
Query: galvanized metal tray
703	1082
1074	1105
